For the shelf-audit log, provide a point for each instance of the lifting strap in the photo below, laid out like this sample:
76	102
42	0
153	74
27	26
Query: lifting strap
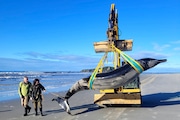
126	58
129	60
93	75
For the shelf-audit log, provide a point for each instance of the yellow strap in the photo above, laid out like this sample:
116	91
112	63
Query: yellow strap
130	60
93	75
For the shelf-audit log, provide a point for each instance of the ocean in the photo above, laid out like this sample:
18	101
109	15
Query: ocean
52	81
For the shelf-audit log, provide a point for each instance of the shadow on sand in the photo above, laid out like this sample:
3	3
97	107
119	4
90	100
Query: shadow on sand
88	107
160	99
151	100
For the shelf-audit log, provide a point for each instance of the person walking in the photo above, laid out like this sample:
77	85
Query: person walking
36	96
23	90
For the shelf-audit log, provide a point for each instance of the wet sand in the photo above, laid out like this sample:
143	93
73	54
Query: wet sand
160	100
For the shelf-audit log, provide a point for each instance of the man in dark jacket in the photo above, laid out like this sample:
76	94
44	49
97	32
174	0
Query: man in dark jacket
36	95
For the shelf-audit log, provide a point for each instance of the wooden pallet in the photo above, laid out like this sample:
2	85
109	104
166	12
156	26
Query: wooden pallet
117	99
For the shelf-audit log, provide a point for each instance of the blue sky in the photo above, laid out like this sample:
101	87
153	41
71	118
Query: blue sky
58	35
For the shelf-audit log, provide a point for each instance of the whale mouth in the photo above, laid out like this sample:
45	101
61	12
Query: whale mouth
162	60
159	61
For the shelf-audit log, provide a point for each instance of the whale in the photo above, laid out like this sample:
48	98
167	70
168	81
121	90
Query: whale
108	80
114	78
123	75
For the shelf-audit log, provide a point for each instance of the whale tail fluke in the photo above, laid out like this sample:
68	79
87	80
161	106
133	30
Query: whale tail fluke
63	103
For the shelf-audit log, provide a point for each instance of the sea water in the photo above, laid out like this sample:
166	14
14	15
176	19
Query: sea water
52	81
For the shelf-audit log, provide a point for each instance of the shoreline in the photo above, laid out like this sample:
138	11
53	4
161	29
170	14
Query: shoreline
18	98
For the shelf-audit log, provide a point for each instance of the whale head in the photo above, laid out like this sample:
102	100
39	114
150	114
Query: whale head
148	63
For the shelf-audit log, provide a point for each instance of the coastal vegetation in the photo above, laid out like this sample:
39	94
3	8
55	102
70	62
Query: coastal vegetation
105	69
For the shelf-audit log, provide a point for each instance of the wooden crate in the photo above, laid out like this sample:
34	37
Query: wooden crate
117	99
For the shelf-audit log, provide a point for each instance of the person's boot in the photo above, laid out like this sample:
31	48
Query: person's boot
36	113
41	111
25	111
28	109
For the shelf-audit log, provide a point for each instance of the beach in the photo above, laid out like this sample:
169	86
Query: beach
160	100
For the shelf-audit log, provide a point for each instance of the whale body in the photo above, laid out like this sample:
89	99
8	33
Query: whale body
123	74
113	79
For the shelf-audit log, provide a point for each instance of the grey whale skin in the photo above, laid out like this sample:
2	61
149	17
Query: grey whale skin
123	74
115	78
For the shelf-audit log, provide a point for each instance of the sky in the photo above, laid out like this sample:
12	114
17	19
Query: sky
58	35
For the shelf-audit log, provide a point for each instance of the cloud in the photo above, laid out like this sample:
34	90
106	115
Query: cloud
43	56
149	54
67	58
58	57
48	62
34	61
177	48
176	42
158	47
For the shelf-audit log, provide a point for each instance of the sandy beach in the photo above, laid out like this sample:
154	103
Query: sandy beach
160	100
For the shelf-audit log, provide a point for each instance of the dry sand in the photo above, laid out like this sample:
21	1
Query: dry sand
160	97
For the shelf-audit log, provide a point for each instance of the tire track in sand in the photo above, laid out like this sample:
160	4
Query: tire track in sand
148	80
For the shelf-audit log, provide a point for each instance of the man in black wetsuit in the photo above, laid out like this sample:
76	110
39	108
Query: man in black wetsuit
36	95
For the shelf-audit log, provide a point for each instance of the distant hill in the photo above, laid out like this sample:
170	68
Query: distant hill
105	69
